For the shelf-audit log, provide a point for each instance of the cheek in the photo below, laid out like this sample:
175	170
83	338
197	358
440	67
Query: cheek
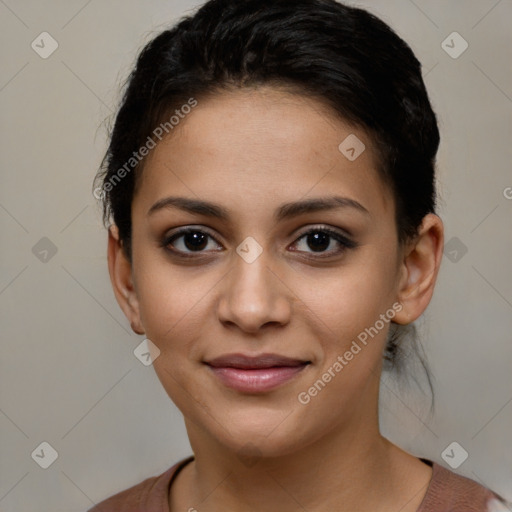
172	308
170	301
345	301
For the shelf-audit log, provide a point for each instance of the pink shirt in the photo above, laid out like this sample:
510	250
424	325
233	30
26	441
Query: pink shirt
447	492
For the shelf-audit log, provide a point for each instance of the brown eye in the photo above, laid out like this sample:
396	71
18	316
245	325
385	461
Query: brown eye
195	241
189	241
319	240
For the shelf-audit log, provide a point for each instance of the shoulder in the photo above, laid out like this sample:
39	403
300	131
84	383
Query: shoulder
149	495
450	492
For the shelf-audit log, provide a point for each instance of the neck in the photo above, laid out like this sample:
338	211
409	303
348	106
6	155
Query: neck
349	468
322	477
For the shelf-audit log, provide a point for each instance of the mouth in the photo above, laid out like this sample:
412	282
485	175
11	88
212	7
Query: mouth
255	374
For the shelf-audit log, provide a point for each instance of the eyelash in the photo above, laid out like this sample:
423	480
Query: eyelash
345	242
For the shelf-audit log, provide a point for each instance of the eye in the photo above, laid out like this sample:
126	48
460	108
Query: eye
188	241
324	241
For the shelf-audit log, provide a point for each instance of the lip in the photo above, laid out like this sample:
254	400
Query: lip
244	362
255	374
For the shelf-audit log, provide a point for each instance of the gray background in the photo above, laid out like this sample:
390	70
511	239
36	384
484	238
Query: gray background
68	374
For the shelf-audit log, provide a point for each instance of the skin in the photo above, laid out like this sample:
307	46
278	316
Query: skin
250	151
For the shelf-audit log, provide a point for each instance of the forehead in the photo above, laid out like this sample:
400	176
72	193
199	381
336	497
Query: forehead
255	146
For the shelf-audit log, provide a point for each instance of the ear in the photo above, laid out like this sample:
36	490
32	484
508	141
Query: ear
419	267
121	278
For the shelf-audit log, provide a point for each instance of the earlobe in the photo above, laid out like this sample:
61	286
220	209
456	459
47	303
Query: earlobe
419	269
120	271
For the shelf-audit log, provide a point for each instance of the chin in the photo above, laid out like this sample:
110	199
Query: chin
257	434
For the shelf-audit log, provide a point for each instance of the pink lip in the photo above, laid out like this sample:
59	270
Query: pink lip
255	374
256	381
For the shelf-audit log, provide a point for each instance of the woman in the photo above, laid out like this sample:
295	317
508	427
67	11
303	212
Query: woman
270	178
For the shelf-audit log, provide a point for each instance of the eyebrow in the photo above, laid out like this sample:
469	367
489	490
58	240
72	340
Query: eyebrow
285	211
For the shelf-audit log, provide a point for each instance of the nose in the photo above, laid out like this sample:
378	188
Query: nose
254	296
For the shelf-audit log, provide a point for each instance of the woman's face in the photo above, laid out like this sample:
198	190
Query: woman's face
256	155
